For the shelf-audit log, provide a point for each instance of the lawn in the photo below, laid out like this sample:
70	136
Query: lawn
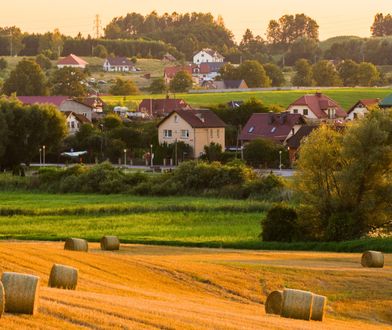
346	97
179	221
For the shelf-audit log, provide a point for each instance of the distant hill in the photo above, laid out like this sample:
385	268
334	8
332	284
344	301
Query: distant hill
326	44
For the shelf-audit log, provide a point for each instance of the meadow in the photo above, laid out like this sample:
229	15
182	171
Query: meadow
157	287
176	221
346	97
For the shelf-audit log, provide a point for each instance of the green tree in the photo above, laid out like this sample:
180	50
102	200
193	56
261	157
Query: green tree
303	73
181	82
3	63
303	48
368	74
69	82
158	86
264	153
229	72
254	74
124	87
382	25
112	121
275	74
344	180
100	51
43	61
348	72
213	152
26	79
325	74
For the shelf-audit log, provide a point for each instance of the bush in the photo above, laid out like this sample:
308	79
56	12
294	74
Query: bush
280	225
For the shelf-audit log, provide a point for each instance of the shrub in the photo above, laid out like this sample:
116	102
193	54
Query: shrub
280	225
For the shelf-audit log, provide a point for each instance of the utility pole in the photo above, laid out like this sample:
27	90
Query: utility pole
97	26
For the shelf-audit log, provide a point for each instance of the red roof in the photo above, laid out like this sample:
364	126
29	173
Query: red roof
55	100
199	118
365	103
318	103
276	126
72	60
171	71
162	107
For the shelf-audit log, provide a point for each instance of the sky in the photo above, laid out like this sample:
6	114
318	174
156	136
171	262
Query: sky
335	17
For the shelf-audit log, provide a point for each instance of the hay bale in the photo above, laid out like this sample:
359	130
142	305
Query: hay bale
21	292
76	244
63	277
297	304
110	243
273	304
318	307
373	259
2	299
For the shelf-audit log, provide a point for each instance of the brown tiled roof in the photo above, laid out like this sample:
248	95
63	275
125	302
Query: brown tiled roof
365	102
72	60
90	101
199	118
209	67
295	141
317	103
119	61
161	107
55	100
276	126
171	71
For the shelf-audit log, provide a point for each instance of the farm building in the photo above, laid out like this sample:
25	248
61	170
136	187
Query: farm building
72	61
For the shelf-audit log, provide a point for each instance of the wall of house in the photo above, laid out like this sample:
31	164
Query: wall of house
76	107
60	66
72	124
293	131
358	111
205	136
301	109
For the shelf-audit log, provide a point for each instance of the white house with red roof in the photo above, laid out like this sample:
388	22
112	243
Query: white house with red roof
317	107
361	108
75	121
72	61
207	55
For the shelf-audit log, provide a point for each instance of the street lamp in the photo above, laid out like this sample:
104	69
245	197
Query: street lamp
280	161
151	155
43	153
125	156
40	156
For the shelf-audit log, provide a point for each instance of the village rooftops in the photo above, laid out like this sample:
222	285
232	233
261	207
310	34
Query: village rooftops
119	61
54	100
72	60
198	118
162	107
364	103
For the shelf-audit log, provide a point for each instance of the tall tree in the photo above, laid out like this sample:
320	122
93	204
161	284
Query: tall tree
368	74
69	81
254	74
303	73
124	87
303	48
382	25
181	82
325	74
348	72
275	74
26	79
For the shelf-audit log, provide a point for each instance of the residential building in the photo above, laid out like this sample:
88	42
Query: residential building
275	126
162	107
118	64
75	121
318	107
207	71
169	57
361	108
386	102
293	143
54	100
72	61
207	55
229	84
90	107
197	128
170	71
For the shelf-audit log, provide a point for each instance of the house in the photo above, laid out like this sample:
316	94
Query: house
317	107
207	55
162	107
54	100
90	107
293	143
170	71
207	71
386	103
118	64
75	121
230	84
169	57
361	108
72	61
197	128
275	126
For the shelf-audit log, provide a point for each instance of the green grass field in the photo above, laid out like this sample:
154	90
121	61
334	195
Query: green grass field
346	97
182	221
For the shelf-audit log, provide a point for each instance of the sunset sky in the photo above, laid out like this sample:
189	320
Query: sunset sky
335	17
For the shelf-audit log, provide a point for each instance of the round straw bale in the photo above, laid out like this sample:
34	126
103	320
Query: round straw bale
21	292
63	277
318	307
372	259
273	304
297	304
2	299
110	243
76	244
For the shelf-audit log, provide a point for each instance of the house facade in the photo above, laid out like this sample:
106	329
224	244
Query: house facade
207	55
162	107
361	108
196	128
72	61
118	64
75	121
293	143
317	107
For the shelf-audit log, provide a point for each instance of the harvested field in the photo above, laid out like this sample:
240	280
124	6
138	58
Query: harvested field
155	287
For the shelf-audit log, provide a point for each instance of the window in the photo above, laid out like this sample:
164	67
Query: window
184	133
295	111
217	133
167	133
72	124
211	133
306	112
273	129
251	129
